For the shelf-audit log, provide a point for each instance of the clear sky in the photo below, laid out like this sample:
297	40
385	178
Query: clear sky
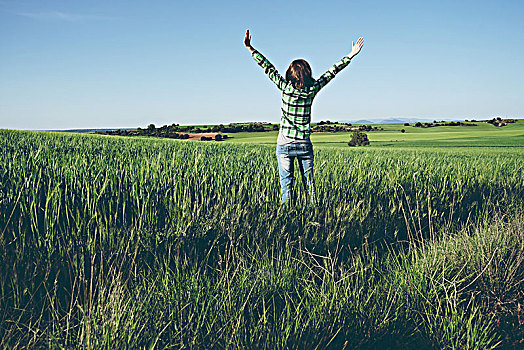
126	63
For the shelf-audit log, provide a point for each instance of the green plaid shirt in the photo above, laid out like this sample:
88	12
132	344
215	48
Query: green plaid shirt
295	121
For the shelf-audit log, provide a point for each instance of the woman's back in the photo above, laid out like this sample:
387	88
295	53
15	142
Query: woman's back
295	119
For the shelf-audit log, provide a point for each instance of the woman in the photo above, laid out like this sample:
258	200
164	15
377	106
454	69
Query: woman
298	91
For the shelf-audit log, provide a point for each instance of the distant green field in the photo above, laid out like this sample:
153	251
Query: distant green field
482	135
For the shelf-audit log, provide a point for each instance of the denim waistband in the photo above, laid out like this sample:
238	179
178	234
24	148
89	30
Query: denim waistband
302	147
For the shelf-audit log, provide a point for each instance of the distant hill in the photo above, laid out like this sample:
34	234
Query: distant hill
362	121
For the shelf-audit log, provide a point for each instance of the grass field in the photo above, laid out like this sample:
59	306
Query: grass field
157	243
482	135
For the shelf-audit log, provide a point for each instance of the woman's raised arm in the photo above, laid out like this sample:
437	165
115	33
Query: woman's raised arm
263	62
337	67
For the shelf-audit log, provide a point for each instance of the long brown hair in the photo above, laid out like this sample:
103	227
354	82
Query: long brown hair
299	74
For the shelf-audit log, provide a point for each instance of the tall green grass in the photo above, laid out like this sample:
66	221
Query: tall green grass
144	243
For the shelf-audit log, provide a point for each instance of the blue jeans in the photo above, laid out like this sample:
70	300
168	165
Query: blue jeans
286	155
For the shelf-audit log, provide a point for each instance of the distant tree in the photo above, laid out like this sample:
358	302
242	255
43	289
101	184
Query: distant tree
418	124
151	127
403	131
358	139
406	124
218	137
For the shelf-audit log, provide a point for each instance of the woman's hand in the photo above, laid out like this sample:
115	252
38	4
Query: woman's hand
247	42
356	47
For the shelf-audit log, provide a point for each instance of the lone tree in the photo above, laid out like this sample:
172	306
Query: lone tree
403	130
358	138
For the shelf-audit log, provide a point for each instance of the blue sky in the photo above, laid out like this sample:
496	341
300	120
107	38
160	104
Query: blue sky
94	64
